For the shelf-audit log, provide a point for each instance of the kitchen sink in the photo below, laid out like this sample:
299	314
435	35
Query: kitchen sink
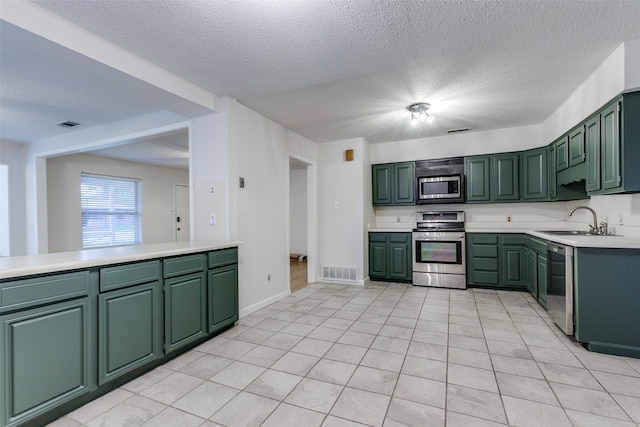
572	233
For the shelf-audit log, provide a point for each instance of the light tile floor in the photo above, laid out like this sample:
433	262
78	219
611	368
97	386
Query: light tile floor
386	354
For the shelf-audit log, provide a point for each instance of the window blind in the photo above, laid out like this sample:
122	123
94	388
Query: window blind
110	211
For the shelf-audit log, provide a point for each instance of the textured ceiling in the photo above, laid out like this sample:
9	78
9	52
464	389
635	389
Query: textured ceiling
332	70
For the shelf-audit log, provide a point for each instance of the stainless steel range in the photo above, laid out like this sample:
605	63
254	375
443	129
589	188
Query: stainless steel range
439	257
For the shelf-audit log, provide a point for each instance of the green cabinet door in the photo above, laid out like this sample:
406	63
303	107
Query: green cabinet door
404	183
505	177
562	154
610	146
399	256
576	146
378	255
393	184
185	310
223	297
553	178
532	270
592	143
46	357
513	266
542	280
482	259
477	178
382	184
129	330
534	176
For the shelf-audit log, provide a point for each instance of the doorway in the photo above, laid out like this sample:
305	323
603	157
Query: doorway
181	210
299	224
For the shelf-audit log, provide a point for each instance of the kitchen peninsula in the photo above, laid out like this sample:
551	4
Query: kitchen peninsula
75	325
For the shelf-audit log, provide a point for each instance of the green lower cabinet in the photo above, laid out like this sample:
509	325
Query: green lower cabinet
129	330
222	297
513	266
538	270
390	256
185	310
542	280
46	359
532	273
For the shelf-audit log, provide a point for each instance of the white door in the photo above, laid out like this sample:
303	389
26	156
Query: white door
182	224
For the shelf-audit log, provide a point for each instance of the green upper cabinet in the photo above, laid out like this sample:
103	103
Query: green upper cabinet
477	177
576	146
553	177
504	177
592	142
393	184
612	148
534	176
562	154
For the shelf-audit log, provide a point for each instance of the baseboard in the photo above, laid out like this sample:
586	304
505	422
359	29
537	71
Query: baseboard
262	304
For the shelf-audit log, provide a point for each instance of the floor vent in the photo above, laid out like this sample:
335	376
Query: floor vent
339	274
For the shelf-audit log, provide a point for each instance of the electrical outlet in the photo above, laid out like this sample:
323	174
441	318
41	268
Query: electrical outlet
269	277
212	219
336	205
212	190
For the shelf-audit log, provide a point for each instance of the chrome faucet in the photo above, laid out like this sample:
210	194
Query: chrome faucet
592	228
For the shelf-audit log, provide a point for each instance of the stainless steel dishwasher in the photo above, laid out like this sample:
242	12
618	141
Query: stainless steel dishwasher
560	285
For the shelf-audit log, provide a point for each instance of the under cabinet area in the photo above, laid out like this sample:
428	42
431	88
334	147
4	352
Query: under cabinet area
69	337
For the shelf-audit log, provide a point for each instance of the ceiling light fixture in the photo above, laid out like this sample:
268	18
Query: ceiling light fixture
419	112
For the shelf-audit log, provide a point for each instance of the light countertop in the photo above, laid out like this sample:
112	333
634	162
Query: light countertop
531	228
61	261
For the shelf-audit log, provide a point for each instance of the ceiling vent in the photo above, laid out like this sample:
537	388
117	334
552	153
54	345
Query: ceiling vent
68	124
458	130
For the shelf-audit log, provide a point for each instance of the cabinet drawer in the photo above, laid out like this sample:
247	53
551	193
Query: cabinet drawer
183	265
514	239
19	294
399	237
484	251
485	277
121	276
538	245
378	237
485	264
223	257
489	239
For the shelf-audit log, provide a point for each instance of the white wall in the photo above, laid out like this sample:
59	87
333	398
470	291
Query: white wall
465	144
342	229
259	152
12	155
298	211
63	196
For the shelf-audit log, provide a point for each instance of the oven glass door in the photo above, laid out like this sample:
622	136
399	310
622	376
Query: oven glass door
439	187
438	252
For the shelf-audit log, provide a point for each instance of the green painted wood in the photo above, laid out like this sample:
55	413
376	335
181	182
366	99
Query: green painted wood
514	239
477	178
512	260
538	245
181	265
404	183
223	257
542	280
25	293
222	296
390	256
534	177
505	177
484	250
482	259
46	355
382	184
483	238
121	276
185	310
610	147
484	264
129	330
592	143
562	154
606	300
553	175
576	146
532	270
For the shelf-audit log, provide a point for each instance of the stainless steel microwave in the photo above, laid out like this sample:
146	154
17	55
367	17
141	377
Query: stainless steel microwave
440	189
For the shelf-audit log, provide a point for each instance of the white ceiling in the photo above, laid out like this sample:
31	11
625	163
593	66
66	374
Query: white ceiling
328	70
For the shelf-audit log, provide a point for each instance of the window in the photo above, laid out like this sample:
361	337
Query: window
110	211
